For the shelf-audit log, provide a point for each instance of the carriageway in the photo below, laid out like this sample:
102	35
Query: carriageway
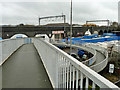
39	64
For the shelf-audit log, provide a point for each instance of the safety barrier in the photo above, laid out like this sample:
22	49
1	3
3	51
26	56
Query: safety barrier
65	71
92	49
90	61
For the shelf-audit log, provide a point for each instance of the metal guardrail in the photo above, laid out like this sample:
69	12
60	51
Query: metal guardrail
97	67
80	45
91	60
100	66
63	69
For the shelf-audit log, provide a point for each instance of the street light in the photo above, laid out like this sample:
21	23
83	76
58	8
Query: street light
71	29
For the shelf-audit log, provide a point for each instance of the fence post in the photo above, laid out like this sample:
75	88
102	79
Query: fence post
57	57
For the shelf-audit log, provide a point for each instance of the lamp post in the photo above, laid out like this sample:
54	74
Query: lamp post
71	28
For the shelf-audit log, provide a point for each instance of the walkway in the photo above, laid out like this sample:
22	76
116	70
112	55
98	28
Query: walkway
99	57
24	69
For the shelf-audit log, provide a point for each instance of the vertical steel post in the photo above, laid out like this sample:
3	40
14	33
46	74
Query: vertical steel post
70	75
76	79
93	86
71	29
87	83
63	74
39	21
81	80
67	75
73	77
57	69
64	25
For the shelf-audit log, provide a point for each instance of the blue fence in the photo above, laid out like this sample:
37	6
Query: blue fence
92	39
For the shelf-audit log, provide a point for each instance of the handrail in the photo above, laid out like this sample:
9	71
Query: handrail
100	66
91	60
63	69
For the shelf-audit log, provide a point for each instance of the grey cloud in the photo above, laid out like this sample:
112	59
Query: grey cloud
28	12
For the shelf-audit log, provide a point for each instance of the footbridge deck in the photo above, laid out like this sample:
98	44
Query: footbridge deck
24	69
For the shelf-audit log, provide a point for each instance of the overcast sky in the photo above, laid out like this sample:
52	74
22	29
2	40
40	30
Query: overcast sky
28	12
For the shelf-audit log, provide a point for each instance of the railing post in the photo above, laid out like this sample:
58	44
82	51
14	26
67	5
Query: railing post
63	73
67	75
81	80
57	58
73	77
59	71
87	83
93	86
76	79
70	75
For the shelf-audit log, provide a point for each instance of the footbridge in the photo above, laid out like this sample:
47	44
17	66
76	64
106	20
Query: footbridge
35	63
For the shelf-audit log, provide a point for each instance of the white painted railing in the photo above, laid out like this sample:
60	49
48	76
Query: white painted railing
99	66
92	49
88	62
65	71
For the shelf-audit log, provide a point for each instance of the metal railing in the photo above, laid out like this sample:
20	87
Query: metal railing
78	44
99	66
91	60
88	62
65	71
92	49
